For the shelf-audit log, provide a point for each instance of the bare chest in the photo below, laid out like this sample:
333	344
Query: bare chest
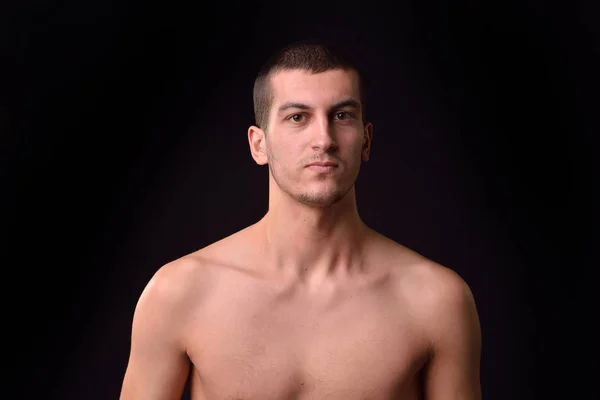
353	347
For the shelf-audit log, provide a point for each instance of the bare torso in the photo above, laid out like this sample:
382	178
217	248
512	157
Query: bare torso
253	335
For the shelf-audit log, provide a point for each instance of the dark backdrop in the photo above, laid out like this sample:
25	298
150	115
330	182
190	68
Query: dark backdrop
124	146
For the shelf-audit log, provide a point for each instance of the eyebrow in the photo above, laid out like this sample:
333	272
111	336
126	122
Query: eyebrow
301	106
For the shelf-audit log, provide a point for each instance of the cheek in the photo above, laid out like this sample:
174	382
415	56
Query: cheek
354	146
281	153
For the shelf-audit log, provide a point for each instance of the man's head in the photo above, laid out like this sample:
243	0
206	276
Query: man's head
311	101
307	56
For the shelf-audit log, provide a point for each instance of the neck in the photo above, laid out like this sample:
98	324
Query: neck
313	243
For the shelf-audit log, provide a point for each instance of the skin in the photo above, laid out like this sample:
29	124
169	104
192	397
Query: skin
309	302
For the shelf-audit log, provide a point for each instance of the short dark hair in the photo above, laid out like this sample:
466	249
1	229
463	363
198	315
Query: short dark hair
314	57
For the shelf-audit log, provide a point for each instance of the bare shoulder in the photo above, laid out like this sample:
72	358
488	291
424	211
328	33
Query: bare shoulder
442	306
442	310
434	284
189	277
158	362
418	274
433	289
173	287
445	298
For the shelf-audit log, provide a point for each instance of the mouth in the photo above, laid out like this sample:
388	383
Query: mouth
322	166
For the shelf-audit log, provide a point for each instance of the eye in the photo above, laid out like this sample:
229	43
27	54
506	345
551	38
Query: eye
296	118
343	115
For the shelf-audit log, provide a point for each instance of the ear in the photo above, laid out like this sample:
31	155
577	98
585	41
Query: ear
257	141
367	138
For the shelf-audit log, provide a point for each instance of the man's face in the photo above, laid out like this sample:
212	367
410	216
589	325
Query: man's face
316	118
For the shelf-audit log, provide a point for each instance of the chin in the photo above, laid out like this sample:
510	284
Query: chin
323	199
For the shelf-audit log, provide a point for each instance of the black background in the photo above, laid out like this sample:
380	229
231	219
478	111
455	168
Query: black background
124	146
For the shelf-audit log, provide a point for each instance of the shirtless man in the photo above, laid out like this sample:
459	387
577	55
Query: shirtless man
308	302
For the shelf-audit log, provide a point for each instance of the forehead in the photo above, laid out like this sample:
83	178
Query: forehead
315	89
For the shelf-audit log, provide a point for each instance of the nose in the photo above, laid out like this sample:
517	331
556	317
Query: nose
323	138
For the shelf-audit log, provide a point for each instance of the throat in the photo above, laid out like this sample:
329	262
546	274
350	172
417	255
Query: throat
315	260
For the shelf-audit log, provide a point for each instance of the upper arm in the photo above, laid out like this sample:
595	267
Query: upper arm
158	365
453	372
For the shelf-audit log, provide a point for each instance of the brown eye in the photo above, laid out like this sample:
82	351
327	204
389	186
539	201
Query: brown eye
296	118
342	115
